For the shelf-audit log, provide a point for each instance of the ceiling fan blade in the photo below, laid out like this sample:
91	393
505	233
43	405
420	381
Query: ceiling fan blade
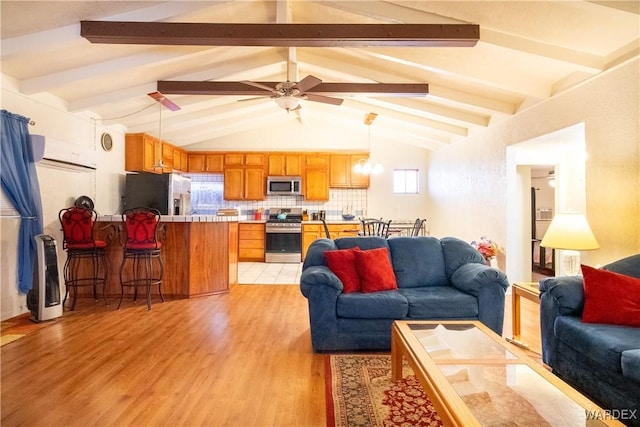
307	83
254	98
327	89
159	96
258	85
323	99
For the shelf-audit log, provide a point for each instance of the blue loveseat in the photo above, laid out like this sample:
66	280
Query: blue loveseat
436	279
600	360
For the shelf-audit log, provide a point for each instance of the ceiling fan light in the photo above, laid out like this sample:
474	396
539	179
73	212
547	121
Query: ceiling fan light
287	102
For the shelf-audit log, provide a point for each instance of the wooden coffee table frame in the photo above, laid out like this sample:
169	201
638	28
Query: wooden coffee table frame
448	403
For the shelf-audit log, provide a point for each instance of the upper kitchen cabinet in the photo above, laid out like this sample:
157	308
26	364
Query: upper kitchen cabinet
284	164
244	159
341	171
244	176
316	177
180	160
206	162
142	152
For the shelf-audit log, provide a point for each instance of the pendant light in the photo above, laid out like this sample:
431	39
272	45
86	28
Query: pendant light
162	102
159	164
366	166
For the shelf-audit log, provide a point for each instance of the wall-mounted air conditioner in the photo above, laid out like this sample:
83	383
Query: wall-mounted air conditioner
63	155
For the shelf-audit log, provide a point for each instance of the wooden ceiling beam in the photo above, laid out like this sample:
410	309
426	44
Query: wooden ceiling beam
290	35
326	89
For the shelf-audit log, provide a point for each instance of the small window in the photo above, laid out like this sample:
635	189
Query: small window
405	181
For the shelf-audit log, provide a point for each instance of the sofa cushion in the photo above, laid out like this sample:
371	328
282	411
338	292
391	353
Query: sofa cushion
602	343
610	298
363	242
631	364
439	302
458	252
343	263
377	305
629	266
374	269
417	261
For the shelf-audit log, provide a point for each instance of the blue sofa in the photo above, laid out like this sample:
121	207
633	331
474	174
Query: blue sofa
437	279
602	361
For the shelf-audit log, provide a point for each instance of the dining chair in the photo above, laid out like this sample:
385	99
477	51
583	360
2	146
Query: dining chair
417	227
326	229
375	227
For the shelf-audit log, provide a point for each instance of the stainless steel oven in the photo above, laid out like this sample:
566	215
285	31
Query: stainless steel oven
283	235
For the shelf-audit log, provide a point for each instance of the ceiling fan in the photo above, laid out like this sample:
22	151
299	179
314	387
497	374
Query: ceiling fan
288	94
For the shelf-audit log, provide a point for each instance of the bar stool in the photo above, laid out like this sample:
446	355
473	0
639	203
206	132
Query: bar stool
78	241
141	246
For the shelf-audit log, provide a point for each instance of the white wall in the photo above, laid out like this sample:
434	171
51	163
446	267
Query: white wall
467	181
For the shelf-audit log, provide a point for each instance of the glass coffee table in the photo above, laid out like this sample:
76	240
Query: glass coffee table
475	378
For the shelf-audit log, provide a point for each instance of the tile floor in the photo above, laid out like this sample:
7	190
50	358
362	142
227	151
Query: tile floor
269	273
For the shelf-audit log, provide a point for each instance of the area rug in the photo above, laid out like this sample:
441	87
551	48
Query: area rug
359	392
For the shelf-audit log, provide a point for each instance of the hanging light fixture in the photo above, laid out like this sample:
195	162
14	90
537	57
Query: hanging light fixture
159	164
288	102
365	166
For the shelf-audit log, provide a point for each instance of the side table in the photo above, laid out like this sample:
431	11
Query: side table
530	291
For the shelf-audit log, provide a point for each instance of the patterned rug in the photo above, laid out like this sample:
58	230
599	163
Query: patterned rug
359	392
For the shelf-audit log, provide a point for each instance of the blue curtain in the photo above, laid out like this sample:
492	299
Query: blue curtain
20	184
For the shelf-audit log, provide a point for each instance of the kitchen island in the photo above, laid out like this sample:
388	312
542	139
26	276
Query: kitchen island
200	255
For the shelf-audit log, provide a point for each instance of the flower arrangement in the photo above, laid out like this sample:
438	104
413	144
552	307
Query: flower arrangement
486	247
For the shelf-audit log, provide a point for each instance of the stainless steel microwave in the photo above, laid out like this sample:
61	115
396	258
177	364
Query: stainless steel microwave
284	185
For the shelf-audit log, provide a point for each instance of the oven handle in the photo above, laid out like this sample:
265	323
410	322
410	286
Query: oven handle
283	230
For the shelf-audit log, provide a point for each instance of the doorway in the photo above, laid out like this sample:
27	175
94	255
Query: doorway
564	152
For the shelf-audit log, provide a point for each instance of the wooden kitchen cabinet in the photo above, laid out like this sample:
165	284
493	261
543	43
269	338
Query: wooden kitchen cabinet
214	162
244	159
251	242
244	177
316	177
206	162
341	171
284	164
142	152
343	230
196	162
242	183
310	232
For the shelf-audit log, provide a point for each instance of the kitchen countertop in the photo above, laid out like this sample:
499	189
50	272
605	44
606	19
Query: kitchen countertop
177	218
333	221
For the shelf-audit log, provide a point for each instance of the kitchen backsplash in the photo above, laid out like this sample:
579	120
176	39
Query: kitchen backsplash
207	198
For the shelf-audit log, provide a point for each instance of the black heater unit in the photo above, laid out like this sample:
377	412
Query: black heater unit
44	297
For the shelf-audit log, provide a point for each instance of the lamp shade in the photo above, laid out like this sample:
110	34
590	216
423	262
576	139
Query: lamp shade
569	231
287	102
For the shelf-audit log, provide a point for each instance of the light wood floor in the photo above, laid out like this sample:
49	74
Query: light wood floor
237	359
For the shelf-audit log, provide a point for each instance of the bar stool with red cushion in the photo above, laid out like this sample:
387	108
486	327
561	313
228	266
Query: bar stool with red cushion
78	240
141	246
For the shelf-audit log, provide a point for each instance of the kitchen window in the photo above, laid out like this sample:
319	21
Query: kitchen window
405	181
207	194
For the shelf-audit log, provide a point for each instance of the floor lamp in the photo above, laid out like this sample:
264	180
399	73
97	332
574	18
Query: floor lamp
570	232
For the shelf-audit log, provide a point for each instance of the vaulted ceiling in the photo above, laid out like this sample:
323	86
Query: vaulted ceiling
527	53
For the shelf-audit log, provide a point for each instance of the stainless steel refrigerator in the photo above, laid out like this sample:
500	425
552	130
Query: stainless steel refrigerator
170	193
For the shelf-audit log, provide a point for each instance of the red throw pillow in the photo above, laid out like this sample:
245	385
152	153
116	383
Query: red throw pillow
343	263
610	298
375	270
